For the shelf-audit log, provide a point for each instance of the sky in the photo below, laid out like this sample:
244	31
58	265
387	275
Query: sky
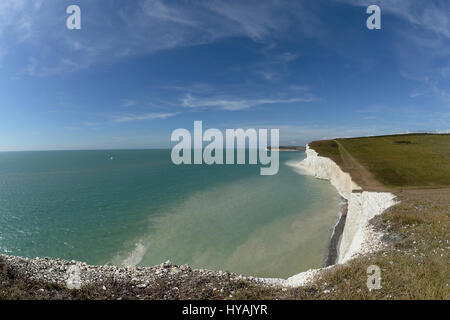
137	70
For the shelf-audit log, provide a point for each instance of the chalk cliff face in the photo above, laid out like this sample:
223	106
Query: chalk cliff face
357	234
362	205
325	168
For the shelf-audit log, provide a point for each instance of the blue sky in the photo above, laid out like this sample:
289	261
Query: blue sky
139	69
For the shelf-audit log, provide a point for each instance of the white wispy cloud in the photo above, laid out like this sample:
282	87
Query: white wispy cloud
275	64
268	75
142	117
128	103
255	21
429	86
374	109
302	134
432	15
284	58
234	105
159	10
142	27
427	41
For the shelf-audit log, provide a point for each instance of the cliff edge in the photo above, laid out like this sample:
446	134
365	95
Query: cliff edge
358	237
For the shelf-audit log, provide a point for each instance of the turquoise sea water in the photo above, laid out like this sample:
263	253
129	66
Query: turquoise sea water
136	207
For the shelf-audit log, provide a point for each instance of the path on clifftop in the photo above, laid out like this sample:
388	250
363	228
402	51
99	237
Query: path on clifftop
360	174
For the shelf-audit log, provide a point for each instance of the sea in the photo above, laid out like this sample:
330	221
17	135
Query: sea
135	207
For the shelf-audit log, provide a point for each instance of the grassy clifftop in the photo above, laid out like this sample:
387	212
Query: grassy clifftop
397	161
415	167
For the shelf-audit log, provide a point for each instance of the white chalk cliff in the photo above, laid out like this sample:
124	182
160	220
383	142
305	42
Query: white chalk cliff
358	236
325	168
362	205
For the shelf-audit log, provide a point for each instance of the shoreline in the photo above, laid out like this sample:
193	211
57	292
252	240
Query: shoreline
358	236
286	148
352	235
360	205
336	236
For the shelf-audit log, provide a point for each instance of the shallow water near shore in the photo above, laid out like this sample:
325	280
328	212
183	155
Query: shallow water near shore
136	207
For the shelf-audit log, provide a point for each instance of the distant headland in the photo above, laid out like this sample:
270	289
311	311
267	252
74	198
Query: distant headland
287	148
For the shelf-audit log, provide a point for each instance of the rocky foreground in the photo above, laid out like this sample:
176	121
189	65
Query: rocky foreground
62	279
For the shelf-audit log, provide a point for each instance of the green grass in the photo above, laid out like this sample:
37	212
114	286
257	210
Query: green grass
424	161
414	160
416	263
327	148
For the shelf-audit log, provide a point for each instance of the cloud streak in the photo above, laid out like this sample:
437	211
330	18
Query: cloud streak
128	103
235	105
432	15
143	117
423	51
117	31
